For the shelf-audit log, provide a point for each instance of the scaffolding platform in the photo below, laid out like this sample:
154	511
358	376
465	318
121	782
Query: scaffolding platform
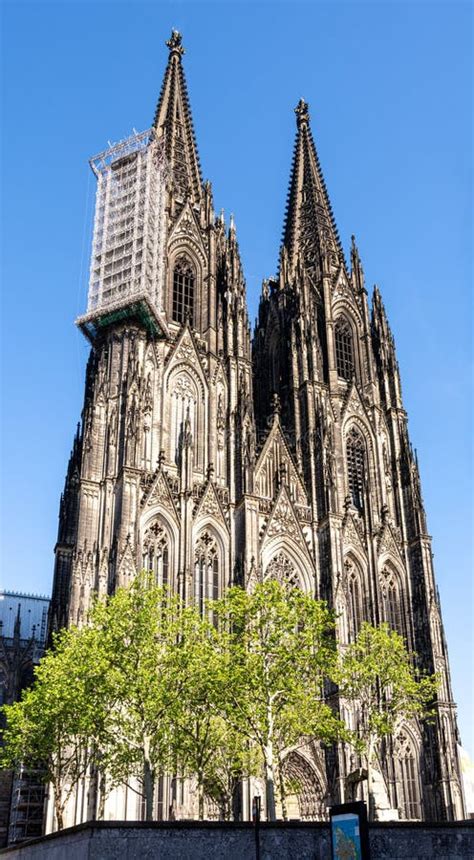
127	261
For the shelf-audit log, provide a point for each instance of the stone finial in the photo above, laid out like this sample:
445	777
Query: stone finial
302	113
174	43
275	404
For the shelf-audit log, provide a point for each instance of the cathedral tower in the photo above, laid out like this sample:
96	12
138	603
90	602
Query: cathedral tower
177	467
159	459
332	363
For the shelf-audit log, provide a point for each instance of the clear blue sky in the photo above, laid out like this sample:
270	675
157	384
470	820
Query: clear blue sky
389	93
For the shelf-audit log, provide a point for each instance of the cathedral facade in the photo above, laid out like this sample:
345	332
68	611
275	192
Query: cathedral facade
216	459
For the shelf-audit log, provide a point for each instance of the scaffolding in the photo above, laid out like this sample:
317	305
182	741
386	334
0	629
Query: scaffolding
127	260
27	805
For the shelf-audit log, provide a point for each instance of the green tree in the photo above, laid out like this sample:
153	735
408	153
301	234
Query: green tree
59	720
278	650
377	673
233	759
138	629
205	745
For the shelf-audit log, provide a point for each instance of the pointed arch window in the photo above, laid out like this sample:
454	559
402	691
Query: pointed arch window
206	570
184	283
184	407
355	455
355	600
392	604
156	553
283	571
344	348
407	771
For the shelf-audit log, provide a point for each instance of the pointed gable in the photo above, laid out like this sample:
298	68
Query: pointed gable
126	567
275	462
186	231
344	295
185	349
160	495
210	506
353	404
173	122
387	542
351	534
283	522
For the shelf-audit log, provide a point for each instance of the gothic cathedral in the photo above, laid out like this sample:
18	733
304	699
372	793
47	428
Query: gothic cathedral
215	459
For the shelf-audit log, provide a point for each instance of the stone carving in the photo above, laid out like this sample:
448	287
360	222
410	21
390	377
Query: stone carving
183	387
283	570
283	520
160	494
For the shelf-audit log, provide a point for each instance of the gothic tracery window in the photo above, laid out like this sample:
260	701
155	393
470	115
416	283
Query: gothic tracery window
184	281
155	553
392	605
184	407
344	348
407	770
355	455
206	570
283	570
355	600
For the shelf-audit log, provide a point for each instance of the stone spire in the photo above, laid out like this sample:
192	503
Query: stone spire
309	230
173	122
383	345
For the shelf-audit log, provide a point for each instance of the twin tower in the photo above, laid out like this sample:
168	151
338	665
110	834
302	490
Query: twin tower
214	459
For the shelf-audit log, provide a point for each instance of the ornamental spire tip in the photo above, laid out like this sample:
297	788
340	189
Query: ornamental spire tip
302	112
174	43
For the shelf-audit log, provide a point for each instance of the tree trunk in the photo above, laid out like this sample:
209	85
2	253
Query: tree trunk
102	794
200	782
281	784
269	781
370	794
149	786
58	809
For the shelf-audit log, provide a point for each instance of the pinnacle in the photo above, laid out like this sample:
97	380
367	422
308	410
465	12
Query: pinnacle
174	43
302	113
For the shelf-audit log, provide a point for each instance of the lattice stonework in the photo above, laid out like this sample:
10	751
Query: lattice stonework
206	570
407	769
344	348
391	600
355	453
282	569
184	278
355	600
128	243
155	553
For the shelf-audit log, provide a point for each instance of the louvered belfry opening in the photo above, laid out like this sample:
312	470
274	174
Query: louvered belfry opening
344	349
184	281
355	454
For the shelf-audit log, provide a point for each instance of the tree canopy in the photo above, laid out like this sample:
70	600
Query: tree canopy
378	675
278	651
150	686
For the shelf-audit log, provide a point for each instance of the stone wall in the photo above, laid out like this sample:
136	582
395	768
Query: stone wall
212	840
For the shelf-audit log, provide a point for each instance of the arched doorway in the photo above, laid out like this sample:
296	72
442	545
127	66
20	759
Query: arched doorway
305	797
